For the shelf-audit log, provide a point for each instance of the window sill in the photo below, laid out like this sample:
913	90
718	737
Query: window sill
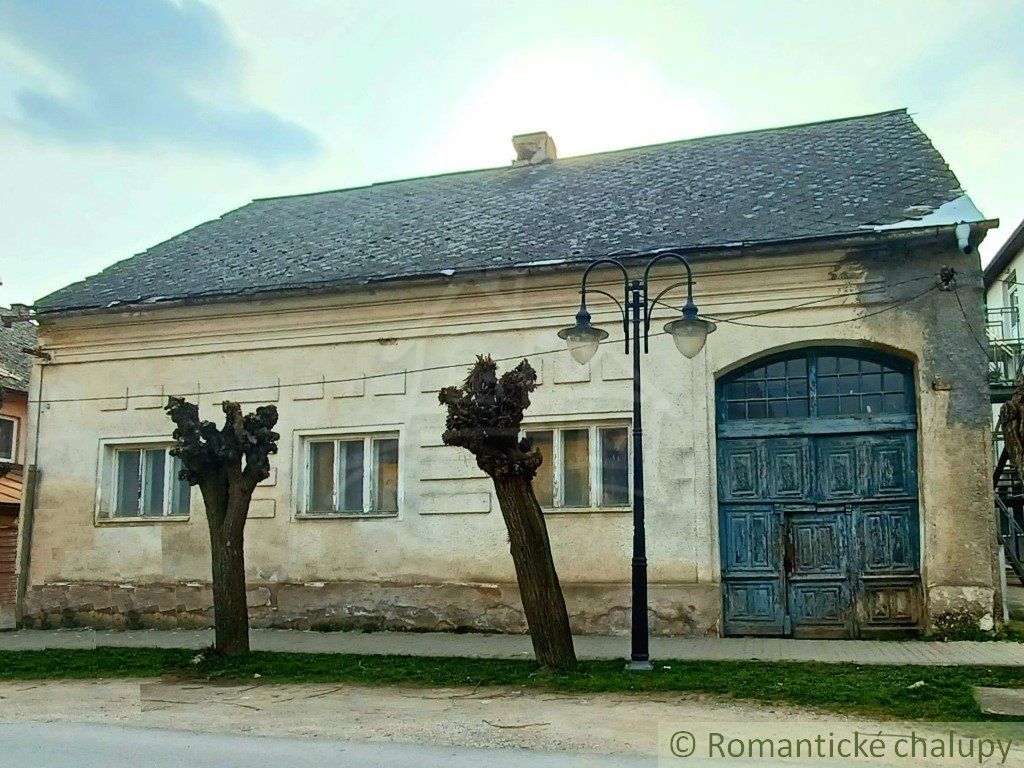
345	515
586	510
142	520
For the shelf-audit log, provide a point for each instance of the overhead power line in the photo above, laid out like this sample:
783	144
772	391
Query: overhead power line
893	304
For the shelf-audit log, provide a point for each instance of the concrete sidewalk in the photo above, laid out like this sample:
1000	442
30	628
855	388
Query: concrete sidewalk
518	646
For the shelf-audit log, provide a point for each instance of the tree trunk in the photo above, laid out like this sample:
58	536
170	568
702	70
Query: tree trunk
539	589
230	608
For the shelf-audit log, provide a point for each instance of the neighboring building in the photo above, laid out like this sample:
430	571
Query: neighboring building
15	366
821	469
1004	280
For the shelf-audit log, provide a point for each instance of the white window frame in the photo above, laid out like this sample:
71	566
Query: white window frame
594	449
106	501
1011	299
369	474
15	424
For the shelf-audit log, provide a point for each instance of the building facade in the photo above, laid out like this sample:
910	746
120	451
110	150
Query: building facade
1004	327
15	366
820	469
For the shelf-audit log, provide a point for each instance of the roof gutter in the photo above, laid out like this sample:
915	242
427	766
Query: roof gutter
862	238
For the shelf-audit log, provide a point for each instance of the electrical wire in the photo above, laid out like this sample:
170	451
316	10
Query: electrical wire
956	295
895	303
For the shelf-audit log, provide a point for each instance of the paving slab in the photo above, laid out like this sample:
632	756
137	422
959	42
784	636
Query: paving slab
919	652
1000	701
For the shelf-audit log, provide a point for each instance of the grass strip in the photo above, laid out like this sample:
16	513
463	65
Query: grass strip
890	692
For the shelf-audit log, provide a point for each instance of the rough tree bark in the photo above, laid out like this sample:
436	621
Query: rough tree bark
485	416
1012	417
212	458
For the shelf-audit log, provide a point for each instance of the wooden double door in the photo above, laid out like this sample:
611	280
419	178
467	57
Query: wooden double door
819	534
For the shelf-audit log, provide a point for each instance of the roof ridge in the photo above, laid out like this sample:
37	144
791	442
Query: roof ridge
707	137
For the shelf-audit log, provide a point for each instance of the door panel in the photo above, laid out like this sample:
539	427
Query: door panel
888	537
885	604
789	470
752	570
892	466
741	470
839	474
818	573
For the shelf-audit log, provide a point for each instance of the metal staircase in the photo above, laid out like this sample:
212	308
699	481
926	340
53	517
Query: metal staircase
1006	363
1009	497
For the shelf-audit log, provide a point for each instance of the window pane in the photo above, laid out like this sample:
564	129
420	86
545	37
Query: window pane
7	439
181	492
797	367
894	403
872	403
321	477
736	411
828	406
797	408
755	389
127	500
350	469
849	365
849	404
576	467
544	482
893	382
614	467
154	465
385	483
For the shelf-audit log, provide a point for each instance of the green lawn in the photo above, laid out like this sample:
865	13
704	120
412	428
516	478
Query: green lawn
880	691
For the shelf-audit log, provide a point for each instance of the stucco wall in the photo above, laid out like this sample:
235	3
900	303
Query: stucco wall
443	561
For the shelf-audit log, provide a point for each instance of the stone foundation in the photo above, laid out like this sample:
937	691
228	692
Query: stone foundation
960	607
604	609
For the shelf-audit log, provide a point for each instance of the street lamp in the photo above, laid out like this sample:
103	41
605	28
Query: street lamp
689	332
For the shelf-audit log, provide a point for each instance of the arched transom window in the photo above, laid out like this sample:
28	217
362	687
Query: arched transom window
819	383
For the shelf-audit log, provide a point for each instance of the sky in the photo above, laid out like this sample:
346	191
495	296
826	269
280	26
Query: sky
125	122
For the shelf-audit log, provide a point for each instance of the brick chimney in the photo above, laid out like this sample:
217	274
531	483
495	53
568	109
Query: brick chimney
534	149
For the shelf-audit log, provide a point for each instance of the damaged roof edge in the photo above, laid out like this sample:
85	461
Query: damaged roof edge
866	237
961	210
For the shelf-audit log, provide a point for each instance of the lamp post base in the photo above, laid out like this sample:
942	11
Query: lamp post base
639	666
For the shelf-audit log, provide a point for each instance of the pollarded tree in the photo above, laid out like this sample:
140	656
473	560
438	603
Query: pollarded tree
1012	417
213	459
485	417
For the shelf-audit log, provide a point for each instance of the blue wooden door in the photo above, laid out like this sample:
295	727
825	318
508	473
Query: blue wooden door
817	488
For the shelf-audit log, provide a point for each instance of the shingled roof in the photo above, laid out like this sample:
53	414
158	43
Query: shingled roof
15	365
818	180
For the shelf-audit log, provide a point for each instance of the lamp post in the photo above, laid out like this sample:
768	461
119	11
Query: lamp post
689	332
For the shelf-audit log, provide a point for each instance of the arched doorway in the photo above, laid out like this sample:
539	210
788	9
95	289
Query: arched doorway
818	495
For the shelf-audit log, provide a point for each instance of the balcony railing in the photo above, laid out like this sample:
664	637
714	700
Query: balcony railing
1003	327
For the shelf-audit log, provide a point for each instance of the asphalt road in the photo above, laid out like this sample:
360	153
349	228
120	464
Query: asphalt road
45	745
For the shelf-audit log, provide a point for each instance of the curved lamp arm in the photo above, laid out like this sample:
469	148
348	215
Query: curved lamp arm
688	309
625	294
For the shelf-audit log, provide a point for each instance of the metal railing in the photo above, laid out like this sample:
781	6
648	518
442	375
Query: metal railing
1005	332
1012	535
